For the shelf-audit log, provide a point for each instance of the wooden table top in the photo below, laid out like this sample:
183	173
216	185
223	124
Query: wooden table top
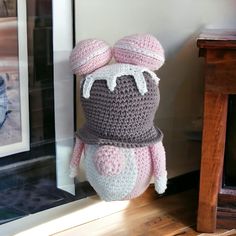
217	38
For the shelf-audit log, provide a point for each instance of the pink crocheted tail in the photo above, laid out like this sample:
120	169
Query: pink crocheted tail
76	156
159	166
109	160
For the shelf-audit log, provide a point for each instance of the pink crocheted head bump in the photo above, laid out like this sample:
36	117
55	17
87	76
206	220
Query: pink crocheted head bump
89	55
140	49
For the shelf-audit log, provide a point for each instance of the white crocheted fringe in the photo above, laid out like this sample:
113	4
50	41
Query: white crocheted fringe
110	73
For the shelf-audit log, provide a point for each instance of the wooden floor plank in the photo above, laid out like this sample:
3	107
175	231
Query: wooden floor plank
147	215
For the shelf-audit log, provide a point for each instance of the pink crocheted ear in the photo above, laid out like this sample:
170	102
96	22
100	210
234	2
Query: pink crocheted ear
140	49
89	55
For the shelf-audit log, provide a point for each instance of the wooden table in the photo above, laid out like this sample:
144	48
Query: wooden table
217	204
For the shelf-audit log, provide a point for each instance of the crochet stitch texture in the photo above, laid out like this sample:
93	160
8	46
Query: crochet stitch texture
126	178
142	49
120	146
89	55
113	187
123	117
110	73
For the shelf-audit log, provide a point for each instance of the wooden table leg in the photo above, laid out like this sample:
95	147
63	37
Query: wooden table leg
213	144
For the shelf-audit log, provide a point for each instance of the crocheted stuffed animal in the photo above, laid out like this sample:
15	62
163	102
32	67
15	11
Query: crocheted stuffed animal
122	148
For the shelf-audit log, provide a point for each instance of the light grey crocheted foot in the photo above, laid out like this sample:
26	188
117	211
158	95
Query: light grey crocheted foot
161	183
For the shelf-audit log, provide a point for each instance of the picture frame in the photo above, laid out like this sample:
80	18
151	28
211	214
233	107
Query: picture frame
14	120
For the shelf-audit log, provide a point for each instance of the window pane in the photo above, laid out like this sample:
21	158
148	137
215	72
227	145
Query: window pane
31	180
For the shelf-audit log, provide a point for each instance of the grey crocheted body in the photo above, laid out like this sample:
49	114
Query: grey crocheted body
123	117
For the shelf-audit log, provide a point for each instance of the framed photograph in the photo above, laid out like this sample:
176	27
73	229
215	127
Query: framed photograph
14	101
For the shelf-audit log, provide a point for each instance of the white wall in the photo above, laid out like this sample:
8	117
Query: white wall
176	24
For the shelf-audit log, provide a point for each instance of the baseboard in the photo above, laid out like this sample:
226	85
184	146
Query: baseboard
183	182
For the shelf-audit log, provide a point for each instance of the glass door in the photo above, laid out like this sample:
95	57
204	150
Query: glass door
36	107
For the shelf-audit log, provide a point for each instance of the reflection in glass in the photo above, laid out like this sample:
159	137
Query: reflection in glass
31	174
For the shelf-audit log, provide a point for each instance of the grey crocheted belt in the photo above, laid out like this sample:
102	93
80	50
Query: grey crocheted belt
152	136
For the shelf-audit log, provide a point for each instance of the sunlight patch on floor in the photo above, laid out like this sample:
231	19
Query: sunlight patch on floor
95	210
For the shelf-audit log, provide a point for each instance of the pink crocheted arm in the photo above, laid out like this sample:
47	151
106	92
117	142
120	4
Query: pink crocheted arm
159	167
76	156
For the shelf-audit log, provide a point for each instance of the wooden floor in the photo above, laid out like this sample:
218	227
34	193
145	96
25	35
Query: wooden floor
148	215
